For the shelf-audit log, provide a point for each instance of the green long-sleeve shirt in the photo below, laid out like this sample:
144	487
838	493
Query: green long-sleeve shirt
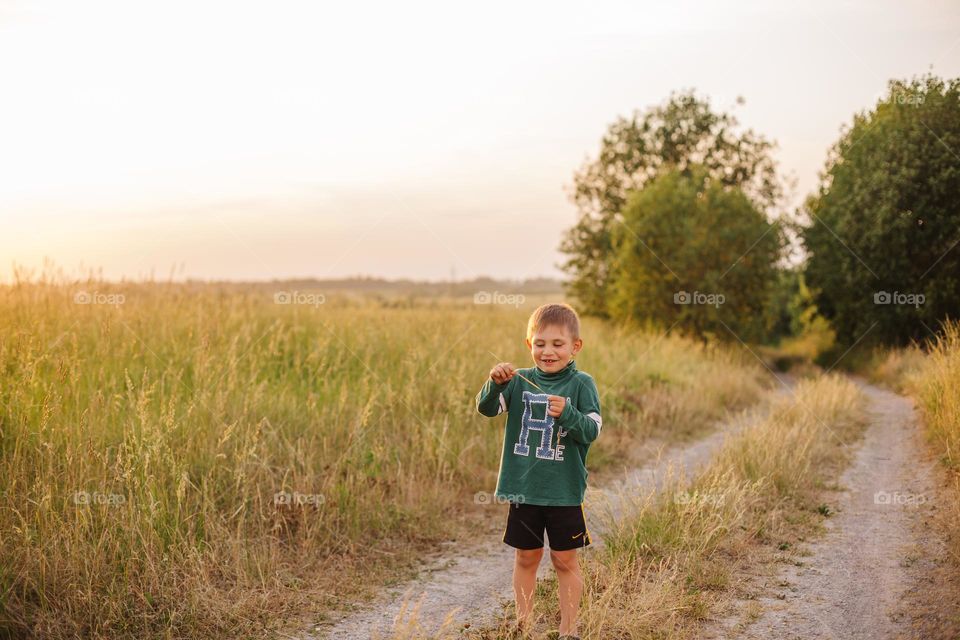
544	458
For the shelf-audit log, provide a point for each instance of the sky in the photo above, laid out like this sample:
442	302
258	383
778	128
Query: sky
258	140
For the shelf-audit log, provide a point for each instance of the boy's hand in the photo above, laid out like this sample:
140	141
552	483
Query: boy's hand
556	405
502	373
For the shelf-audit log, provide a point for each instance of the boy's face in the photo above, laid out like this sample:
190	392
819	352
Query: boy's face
552	347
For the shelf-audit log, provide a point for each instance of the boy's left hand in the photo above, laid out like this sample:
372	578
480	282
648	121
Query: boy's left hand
556	405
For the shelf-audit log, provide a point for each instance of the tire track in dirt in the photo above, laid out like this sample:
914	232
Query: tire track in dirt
854	580
471	585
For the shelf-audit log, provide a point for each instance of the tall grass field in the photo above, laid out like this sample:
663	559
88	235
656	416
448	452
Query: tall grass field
182	460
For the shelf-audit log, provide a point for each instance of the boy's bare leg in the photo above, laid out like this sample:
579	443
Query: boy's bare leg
525	581
570	587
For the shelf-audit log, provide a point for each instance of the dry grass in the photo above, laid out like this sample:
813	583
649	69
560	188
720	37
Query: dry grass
932	376
935	381
892	367
184	411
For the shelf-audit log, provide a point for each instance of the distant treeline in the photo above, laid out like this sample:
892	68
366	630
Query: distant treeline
369	284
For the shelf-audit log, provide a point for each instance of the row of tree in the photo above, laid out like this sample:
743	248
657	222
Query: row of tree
682	222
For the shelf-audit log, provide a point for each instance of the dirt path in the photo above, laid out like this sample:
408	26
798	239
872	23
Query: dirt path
857	578
471	585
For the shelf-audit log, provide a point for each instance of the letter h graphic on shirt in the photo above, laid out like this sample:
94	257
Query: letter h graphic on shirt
545	426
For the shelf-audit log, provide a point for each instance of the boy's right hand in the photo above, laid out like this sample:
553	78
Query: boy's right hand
502	373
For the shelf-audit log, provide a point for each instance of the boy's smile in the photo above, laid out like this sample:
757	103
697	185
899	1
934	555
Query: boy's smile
552	348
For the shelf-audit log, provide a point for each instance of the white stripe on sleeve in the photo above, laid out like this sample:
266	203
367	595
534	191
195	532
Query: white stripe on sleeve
596	418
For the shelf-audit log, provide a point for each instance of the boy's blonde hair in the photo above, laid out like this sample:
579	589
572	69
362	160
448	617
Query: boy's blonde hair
556	314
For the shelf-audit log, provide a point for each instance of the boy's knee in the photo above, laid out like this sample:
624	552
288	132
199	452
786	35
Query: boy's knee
527	558
564	561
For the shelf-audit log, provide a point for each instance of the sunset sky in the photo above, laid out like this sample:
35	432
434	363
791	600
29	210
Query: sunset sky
258	140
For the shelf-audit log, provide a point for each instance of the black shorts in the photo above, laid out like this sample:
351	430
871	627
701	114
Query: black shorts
566	527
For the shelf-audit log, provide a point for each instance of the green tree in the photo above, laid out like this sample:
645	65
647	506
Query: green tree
677	135
695	253
884	227
780	309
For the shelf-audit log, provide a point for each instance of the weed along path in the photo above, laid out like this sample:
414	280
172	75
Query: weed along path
862	577
469	586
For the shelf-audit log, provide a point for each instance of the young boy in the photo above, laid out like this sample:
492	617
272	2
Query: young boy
553	414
